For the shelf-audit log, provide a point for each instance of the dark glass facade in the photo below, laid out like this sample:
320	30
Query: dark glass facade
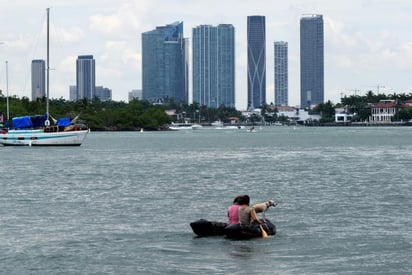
85	77
311	61
256	61
214	65
164	64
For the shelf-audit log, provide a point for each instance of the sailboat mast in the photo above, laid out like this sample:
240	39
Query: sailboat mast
47	66
7	91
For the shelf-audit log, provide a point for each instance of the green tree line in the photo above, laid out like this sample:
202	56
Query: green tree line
114	115
137	114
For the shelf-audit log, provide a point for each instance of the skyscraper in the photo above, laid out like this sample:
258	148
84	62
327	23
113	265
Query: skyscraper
311	60
256	61
135	94
85	77
281	73
38	79
72	93
103	93
214	65
164	64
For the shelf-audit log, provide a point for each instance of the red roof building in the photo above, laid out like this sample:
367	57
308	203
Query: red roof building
383	112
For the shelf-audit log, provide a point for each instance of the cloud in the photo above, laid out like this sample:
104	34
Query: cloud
121	57
105	24
68	65
62	35
123	22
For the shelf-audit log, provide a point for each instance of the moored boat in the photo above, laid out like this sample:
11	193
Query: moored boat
230	127
38	131
72	135
217	123
184	126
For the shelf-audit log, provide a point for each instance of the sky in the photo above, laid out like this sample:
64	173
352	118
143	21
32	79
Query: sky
368	43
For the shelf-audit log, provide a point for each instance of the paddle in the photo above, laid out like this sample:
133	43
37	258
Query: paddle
264	234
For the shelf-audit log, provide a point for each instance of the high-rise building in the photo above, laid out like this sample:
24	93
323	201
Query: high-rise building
38	79
135	94
164	64
72	93
281	73
214	65
311	61
103	93
85	77
256	61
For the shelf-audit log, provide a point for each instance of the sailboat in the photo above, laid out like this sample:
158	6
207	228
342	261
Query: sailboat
38	131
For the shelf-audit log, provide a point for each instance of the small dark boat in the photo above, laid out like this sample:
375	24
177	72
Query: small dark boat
205	228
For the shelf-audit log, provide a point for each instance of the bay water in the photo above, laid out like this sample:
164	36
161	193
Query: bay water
122	202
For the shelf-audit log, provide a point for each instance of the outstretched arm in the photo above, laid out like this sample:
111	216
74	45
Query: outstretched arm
254	216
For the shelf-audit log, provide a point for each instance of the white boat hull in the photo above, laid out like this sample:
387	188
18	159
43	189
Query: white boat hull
184	126
40	138
230	127
178	128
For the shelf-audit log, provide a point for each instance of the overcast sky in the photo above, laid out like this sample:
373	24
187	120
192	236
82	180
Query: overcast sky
367	42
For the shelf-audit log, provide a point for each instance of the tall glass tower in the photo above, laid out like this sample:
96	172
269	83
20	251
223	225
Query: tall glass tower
38	79
311	61
85	77
281	73
256	61
164	64
214	65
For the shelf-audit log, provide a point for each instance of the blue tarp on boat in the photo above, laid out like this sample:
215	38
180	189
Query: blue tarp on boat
64	121
38	121
22	122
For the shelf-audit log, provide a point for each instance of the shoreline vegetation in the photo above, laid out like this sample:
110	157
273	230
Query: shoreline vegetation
141	114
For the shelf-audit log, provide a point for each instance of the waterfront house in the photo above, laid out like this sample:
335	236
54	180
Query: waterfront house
343	116
383	112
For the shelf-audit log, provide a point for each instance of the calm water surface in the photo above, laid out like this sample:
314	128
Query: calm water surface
122	202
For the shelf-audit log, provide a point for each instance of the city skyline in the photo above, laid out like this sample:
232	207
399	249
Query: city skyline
362	52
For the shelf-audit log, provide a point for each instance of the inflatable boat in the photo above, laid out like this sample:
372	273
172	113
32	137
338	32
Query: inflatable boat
205	228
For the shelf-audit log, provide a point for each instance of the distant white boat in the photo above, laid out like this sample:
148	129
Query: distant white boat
184	126
217	123
251	130
231	127
196	126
